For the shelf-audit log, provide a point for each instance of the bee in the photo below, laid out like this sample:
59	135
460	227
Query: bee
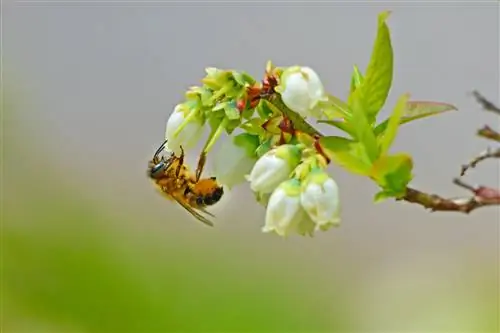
177	183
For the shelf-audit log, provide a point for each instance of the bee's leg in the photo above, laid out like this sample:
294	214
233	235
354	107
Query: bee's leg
201	164
181	163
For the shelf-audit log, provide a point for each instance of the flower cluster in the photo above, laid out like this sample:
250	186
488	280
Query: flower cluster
286	174
299	195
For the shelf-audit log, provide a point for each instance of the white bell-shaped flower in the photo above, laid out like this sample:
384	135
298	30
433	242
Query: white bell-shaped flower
235	159
302	91
284	212
189	135
274	167
320	199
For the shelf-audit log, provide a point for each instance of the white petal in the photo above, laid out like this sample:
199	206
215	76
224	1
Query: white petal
188	137
267	173
231	164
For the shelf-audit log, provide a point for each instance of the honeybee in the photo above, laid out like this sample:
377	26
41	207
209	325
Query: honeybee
177	183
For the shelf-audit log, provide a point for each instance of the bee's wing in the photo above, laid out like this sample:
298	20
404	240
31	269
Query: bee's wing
206	211
193	212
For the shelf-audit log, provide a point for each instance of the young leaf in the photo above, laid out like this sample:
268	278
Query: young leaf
417	110
345	153
341	125
387	138
363	130
357	78
383	195
342	107
393	173
378	79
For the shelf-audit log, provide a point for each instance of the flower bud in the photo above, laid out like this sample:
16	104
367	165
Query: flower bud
189	135
235	159
320	199
302	90
274	167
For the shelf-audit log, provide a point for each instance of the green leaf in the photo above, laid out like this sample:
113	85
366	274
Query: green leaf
363	130
356	79
341	125
417	110
383	195
232	113
345	153
264	147
242	78
387	138
393	173
341	108
378	79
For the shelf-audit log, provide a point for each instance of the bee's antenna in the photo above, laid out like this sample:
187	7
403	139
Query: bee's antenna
160	149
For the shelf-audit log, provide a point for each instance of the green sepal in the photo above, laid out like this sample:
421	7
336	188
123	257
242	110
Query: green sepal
248	142
264	147
231	111
254	126
231	125
272	125
247	112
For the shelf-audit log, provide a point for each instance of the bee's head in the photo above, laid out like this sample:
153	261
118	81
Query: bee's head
158	165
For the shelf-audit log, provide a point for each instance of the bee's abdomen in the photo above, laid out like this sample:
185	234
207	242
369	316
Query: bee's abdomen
210	199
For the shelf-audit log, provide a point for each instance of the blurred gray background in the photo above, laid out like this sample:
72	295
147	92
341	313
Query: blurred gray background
97	82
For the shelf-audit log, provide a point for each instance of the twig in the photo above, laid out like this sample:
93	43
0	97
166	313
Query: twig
487	105
487	154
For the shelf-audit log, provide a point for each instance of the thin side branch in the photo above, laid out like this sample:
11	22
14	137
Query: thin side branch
487	154
481	195
486	104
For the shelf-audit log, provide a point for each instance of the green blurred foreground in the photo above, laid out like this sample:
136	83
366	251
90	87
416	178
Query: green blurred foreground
68	266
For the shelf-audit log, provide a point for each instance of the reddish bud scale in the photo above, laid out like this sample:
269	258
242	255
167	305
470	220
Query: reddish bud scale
241	105
254	102
286	126
319	149
487	193
253	95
